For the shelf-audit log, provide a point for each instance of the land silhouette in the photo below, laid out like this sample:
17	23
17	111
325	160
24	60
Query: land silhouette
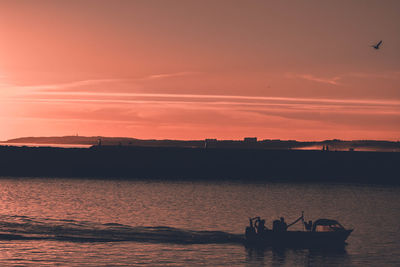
245	160
249	142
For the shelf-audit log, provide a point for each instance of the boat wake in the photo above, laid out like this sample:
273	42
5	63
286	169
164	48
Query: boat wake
25	228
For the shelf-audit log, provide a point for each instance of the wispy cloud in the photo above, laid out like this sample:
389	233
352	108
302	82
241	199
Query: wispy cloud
157	106
102	102
335	79
170	75
241	98
310	77
90	82
199	114
22	89
332	80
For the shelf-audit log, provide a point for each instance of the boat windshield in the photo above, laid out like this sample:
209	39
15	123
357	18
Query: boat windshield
328	228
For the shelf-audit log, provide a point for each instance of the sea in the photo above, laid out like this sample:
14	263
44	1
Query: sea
114	222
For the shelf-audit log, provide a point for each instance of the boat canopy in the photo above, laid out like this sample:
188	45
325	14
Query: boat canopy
326	225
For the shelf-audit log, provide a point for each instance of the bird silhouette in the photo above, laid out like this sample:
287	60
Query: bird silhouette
377	45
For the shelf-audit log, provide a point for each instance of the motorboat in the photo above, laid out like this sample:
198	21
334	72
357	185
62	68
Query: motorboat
320	233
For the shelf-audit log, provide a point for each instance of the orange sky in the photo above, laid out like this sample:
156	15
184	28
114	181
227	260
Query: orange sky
200	69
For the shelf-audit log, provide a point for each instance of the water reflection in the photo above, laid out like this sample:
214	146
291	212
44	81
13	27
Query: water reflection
334	257
295	257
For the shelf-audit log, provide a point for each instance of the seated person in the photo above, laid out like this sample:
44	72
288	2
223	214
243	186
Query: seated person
279	225
261	226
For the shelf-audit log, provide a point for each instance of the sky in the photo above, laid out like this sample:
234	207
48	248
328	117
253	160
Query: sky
186	69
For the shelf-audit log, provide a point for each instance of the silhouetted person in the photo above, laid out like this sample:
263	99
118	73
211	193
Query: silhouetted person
283	224
250	230
279	225
256	223
261	227
308	225
275	225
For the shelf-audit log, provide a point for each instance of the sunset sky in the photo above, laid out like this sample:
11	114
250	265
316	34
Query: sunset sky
187	69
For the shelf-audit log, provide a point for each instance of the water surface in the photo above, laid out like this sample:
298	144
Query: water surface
121	222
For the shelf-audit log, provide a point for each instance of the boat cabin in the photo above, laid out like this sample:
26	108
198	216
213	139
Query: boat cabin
326	225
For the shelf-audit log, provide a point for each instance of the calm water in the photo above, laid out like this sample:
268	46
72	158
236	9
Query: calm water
100	223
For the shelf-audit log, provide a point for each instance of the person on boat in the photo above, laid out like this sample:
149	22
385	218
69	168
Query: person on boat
257	223
283	224
251	223
276	226
261	227
250	230
279	225
308	225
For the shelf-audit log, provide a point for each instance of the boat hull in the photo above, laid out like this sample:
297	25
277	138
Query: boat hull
298	239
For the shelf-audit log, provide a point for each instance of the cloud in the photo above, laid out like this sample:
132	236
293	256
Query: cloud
332	81
169	75
12	89
83	84
158	105
393	75
213	98
202	115
102	101
310	77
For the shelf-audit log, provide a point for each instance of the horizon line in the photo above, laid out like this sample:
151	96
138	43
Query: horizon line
188	140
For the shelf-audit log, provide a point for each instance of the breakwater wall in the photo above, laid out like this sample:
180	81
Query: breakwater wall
205	164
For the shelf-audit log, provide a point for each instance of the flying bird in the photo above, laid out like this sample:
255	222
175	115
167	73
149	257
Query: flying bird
377	45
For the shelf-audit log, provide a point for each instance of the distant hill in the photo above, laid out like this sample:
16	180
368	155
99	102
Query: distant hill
249	143
81	140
